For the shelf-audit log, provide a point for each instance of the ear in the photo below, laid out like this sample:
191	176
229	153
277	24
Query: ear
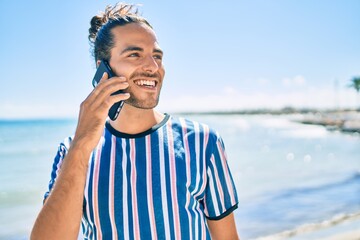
98	63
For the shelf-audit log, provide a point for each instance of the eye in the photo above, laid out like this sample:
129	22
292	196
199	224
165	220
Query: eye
158	56
134	55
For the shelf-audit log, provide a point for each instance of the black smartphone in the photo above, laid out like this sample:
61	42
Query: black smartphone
105	67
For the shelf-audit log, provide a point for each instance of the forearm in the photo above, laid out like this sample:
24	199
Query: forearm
61	214
224	228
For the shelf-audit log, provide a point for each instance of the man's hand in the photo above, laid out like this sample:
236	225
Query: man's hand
94	110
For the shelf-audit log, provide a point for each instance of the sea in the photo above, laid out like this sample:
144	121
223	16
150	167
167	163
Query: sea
294	181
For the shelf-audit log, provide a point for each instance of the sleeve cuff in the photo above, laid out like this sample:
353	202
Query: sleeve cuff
224	214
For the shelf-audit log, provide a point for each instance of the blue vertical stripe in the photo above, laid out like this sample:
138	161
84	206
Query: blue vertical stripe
103	188
141	187
118	185
156	186
130	226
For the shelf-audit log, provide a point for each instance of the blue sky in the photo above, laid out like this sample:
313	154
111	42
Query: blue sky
219	55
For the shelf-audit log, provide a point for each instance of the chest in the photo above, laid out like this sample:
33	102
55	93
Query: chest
150	169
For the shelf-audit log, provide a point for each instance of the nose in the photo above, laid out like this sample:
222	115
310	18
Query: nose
150	65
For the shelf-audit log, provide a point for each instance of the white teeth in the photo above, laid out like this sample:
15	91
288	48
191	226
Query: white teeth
145	82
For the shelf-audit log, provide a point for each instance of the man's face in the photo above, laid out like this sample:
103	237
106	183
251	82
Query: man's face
137	56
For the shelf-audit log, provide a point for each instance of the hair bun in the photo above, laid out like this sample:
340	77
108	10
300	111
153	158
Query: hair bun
95	25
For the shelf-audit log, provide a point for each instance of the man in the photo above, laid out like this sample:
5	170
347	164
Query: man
145	175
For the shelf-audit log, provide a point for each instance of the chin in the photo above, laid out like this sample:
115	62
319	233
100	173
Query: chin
142	104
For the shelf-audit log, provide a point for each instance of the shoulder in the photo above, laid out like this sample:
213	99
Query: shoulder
194	127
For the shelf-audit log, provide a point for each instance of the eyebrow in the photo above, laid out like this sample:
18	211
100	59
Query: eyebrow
139	49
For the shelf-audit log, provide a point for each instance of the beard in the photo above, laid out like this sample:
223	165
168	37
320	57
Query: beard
151	101
142	103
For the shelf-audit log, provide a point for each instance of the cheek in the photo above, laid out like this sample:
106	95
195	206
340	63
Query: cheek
125	70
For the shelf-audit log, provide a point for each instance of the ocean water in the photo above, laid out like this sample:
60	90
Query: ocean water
288	175
27	148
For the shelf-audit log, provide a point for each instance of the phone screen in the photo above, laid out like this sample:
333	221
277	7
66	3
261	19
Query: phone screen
105	67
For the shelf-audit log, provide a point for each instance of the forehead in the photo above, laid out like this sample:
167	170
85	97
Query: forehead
137	34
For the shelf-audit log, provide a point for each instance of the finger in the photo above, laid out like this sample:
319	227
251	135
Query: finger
111	100
103	86
101	94
105	80
117	98
104	77
108	89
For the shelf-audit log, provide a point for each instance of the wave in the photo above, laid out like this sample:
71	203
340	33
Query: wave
312	227
353	179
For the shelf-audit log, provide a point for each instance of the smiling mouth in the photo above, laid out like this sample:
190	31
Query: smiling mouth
146	83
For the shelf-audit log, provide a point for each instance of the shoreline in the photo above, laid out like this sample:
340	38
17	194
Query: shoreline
339	227
344	120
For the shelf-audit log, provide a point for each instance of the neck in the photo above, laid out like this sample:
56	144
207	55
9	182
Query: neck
132	120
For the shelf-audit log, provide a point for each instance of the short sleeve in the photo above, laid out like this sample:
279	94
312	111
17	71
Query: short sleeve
220	193
58	160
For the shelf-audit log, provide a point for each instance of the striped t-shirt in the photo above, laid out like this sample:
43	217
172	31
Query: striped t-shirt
159	184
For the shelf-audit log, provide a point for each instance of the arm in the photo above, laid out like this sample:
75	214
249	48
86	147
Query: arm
224	229
61	214
221	197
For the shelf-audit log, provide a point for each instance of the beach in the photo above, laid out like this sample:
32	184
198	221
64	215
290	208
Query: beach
294	180
342	227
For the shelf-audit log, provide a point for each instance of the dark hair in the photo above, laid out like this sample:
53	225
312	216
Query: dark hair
100	35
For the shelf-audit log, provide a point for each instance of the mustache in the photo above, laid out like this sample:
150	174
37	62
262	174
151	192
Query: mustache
145	74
